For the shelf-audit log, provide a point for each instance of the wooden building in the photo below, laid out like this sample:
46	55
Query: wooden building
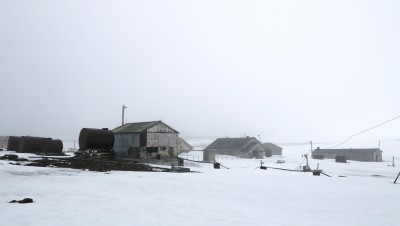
272	148
143	140
364	155
183	146
248	147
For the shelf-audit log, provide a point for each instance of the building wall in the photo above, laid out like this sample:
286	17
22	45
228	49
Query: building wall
371	156
276	151
257	151
162	140
164	144
123	142
209	154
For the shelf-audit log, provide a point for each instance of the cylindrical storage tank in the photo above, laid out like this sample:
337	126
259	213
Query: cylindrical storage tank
30	144
96	139
13	143
51	146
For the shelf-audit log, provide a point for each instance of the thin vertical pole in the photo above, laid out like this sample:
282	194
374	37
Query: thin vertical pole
123	113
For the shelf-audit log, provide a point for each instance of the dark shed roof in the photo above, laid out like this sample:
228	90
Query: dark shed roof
346	151
233	143
181	141
271	145
138	127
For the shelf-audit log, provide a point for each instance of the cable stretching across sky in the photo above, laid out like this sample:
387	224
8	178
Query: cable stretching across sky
365	131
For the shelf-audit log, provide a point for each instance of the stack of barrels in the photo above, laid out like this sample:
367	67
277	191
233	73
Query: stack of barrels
28	144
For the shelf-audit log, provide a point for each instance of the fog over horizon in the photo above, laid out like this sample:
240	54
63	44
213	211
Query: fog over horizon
288	71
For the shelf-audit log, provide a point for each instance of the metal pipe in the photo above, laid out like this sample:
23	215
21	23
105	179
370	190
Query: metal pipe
123	113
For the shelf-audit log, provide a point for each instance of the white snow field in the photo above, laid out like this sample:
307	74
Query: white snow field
241	195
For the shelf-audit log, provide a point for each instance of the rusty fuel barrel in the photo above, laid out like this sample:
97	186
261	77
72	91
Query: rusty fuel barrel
51	146
96	139
31	144
13	143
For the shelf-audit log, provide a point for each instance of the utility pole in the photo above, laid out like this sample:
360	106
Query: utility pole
123	113
307	167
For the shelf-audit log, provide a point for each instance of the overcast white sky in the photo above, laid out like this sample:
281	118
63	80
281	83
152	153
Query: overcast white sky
287	70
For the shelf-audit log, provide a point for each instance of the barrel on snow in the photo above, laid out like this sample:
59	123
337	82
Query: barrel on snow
96	139
13	143
51	146
30	144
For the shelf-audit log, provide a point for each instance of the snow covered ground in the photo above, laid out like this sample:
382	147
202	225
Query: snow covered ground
241	195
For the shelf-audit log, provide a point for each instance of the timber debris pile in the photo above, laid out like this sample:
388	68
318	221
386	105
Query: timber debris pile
95	154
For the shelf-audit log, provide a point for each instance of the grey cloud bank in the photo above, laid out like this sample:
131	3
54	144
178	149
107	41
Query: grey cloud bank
284	70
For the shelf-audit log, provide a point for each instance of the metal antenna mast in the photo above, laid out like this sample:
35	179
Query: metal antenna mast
123	113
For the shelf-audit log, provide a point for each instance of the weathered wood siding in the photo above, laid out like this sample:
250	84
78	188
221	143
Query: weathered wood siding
158	136
123	142
162	140
160	128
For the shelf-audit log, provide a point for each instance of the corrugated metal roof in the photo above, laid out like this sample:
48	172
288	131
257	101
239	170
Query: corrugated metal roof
138	127
233	143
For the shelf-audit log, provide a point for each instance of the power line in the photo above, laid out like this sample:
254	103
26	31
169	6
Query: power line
365	131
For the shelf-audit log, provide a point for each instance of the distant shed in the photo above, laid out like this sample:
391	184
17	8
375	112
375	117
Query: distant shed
273	148
248	147
183	146
364	155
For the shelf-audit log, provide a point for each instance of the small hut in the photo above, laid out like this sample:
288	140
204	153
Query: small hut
142	140
183	146
273	148
248	147
359	154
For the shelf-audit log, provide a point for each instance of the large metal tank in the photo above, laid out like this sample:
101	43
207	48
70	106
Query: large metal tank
13	143
51	146
31	144
96	139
